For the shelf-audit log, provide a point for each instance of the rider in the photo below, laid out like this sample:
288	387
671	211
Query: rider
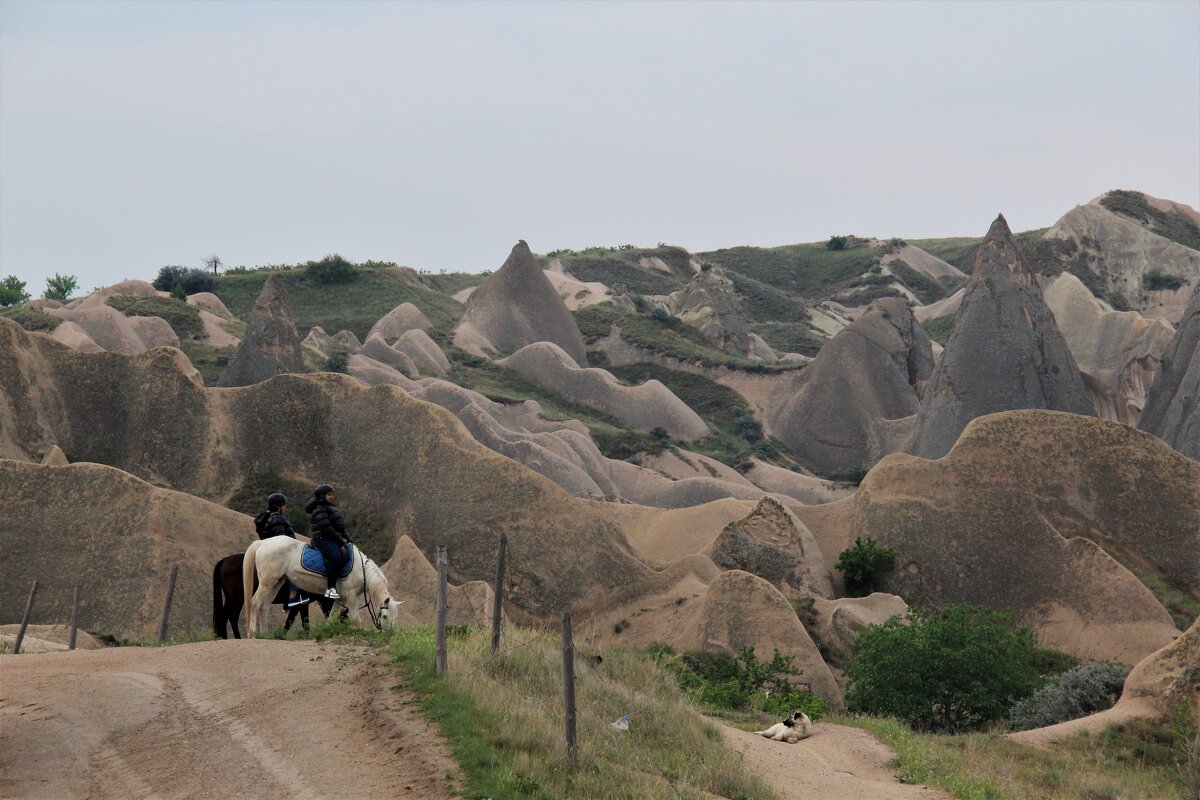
272	522
328	528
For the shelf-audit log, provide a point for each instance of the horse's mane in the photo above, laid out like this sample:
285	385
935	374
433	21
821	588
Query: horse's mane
374	573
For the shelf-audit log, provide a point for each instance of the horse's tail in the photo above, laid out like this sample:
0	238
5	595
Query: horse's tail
248	568
219	619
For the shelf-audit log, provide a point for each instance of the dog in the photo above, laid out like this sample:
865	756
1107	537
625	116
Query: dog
795	727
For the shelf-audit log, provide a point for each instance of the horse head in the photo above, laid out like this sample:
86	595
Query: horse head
381	597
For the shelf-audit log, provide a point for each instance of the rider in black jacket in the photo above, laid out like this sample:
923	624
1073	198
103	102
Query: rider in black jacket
271	523
328	528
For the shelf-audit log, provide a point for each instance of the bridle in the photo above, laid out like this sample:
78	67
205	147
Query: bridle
375	618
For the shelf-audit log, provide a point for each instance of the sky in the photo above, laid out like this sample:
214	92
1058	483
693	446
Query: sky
139	134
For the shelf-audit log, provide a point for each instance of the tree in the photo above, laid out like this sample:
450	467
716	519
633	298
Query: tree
837	243
214	263
193	280
60	287
337	362
863	564
12	292
945	671
330	269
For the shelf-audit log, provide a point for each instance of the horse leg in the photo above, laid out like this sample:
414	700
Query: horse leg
260	603
233	613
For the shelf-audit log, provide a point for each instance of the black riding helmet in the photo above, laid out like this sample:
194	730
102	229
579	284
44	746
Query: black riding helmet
275	501
322	490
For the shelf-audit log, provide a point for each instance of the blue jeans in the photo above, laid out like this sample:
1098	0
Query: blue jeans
331	551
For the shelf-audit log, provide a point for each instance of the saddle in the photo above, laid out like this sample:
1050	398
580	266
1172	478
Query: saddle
311	560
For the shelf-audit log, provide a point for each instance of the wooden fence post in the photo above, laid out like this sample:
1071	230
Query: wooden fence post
25	619
443	565
499	595
569	687
162	628
74	618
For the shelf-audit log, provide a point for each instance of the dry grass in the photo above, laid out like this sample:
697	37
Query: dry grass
1122	763
504	718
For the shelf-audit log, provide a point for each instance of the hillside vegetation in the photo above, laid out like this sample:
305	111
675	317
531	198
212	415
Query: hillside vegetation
354	305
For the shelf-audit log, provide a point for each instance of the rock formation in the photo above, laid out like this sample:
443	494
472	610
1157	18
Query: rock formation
1022	514
271	346
401	319
771	543
116	536
1173	406
99	325
379	350
1006	351
837	623
343	341
516	307
1123	252
711	304
1117	351
856	401
646	406
424	352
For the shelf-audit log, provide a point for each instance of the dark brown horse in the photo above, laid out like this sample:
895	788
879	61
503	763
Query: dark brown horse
228	596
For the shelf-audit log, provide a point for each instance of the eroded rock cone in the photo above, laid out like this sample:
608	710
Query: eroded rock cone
271	346
711	304
858	399
519	306
1005	353
1173	406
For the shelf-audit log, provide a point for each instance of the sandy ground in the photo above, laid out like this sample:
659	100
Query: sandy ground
251	719
835	763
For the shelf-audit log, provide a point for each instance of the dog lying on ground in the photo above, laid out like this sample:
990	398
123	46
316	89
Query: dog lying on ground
797	726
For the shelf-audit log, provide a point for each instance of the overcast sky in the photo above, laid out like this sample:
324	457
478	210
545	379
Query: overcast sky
134	135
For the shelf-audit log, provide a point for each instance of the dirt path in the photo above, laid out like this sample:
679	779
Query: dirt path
253	719
835	763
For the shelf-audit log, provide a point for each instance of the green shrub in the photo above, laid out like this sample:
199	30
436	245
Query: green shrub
735	683
12	292
329	270
661	314
60	287
1158	281
193	280
31	319
1073	694
837	243
749	427
337	362
863	564
660	433
178	292
944	671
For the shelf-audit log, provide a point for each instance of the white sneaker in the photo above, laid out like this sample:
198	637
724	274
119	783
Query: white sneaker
332	594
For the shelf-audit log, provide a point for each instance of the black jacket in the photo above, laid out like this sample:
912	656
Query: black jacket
272	523
326	520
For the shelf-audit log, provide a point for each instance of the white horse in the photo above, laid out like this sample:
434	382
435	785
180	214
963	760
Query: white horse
277	560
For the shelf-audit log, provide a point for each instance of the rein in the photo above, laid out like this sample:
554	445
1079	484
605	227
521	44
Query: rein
375	618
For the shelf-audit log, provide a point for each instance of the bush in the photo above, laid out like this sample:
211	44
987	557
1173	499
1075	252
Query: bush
60	287
193	280
837	243
660	314
178	292
1073	694
12	292
1157	281
749	427
863	564
660	433
329	270
337	362
943	671
31	319
719	680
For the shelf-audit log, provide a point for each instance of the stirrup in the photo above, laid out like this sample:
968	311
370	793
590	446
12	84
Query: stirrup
332	594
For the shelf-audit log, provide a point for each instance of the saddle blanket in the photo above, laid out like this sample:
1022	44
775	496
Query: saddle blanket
312	561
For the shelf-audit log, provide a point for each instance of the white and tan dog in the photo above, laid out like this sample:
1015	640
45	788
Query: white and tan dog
797	726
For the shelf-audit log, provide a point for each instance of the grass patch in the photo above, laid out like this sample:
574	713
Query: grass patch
811	271
1125	761
620	266
210	361
183	319
354	306
939	328
789	337
1183	608
503	717
668	337
453	282
924	287
31	319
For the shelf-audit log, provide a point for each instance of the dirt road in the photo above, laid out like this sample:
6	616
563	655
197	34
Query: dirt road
835	763
252	719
